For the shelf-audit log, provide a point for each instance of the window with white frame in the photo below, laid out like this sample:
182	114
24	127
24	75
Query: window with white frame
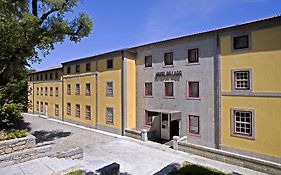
193	124
56	110
77	110
168	89
88	89
68	109
148	61
242	121
68	90
88	112
148	89
77	91
193	89
109	88
109	115
242	80
193	55
168	58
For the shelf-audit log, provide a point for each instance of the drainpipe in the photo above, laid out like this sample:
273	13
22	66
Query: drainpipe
217	94
96	94
122	94
62	96
32	95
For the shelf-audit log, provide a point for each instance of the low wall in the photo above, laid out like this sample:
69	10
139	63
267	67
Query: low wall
231	158
18	144
133	133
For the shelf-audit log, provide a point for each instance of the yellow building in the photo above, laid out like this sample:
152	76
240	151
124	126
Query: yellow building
250	57
45	94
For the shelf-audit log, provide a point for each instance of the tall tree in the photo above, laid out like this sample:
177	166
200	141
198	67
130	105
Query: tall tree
29	26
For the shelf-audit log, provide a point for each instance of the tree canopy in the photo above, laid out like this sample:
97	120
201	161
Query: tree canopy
29	26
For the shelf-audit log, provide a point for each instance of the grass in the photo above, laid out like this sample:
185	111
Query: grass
7	134
77	172
192	169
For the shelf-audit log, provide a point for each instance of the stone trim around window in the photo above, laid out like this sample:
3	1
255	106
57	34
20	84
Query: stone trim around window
233	80
237	34
232	132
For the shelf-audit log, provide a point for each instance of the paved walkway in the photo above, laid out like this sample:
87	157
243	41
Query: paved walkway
102	148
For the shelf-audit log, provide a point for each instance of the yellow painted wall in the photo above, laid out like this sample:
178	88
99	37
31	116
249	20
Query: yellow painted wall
264	60
81	99
105	75
82	64
30	97
131	93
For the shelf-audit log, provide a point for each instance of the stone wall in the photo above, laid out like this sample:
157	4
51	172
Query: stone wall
18	144
133	133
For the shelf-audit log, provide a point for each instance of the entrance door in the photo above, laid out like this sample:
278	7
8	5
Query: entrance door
46	109
165	126
174	128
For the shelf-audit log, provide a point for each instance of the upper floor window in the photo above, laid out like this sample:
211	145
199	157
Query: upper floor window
242	80
88	112
88	89
148	89
193	89
37	91
88	67
46	76
77	92
193	124
109	63
41	91
193	55
77	68
41	77
241	42
56	75
168	89
242	123
68	70
51	91
46	91
30	78
148	61
51	76
68	90
57	92
109	88
37	77
109	115
168	58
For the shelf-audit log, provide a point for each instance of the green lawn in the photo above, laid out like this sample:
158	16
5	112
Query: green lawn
7	134
77	172
192	169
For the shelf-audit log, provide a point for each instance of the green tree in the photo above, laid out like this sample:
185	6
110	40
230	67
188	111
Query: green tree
26	28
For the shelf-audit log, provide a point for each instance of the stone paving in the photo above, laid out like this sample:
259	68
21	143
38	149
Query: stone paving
102	148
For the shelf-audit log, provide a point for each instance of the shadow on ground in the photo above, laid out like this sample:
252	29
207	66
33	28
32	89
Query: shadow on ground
43	135
23	125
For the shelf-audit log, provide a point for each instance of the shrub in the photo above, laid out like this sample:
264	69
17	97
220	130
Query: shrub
10	115
7	134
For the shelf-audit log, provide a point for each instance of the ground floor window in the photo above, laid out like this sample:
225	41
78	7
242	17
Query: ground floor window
193	124
88	112
37	106
41	106
149	117
109	115
77	113
56	109
68	109
242	123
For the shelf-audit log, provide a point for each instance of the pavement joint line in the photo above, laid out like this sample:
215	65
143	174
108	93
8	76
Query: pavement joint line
48	167
21	169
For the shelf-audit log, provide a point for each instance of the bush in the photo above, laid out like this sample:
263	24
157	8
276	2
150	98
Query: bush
10	115
7	134
78	172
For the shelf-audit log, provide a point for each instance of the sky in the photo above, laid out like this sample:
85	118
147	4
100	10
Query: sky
124	23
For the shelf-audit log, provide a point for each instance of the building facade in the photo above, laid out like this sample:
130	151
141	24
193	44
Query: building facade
220	89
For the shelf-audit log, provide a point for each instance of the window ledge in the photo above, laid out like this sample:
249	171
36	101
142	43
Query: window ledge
169	97
147	68
192	134
193	98
167	66
109	95
109	123
192	64
148	96
243	136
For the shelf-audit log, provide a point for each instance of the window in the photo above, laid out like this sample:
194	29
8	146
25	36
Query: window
242	123
149	117
41	106
168	58
37	91
56	110
169	89
41	91
68	70
241	42
46	91
37	77
56	75
41	77
46	76
88	89
88	67
242	80
77	92
148	89
68	109
109	63
148	61
30	78
68	90
193	56
77	68
193	124
193	89
37	106
88	112
77	113
57	92
109	115
109	88
51	91
51	76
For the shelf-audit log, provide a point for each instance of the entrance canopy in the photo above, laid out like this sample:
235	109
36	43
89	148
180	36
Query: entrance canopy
175	115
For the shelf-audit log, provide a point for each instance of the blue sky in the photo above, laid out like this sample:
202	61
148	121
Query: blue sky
124	23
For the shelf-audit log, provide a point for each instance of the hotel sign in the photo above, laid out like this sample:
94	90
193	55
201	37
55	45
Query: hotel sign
169	73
